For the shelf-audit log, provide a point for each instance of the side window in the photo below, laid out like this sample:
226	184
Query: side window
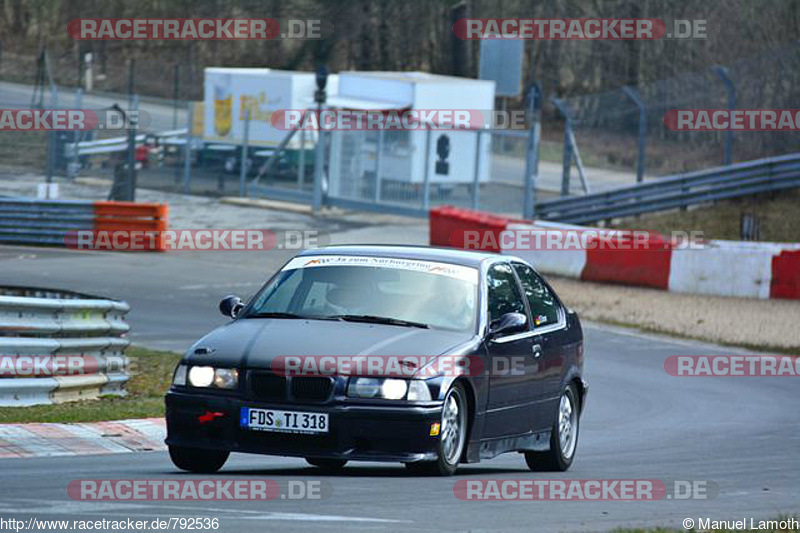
504	296
544	307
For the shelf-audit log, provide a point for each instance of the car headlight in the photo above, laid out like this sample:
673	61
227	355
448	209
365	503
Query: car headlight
201	376
179	378
364	388
226	378
388	389
207	376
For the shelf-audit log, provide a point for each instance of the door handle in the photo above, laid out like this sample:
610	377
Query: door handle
537	350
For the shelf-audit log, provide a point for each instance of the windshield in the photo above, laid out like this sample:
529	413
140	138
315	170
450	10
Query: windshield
413	297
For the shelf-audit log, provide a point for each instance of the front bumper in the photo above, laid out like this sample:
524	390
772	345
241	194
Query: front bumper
357	431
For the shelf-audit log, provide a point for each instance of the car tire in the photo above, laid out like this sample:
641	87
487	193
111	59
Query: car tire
332	465
563	436
453	436
197	460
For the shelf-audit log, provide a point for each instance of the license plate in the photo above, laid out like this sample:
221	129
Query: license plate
283	421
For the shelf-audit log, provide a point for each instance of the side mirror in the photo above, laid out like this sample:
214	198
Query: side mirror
508	324
230	306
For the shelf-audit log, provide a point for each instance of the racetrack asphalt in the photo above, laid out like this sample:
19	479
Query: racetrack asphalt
743	434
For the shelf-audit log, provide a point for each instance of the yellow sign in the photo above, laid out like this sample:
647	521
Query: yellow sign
223	115
256	106
198	119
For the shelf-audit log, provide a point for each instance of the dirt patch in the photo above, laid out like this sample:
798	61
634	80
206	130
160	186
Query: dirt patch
765	325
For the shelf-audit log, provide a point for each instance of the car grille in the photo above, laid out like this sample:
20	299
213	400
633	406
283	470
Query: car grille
316	388
267	386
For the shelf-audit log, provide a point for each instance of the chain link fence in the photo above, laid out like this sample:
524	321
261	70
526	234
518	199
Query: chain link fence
613	127
619	134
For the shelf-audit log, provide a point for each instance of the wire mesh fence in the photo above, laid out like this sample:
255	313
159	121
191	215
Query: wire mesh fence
618	133
609	125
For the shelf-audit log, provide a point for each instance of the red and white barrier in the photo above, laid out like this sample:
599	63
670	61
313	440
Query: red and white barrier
721	268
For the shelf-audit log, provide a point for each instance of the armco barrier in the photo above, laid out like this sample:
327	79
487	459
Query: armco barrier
68	326
55	222
721	268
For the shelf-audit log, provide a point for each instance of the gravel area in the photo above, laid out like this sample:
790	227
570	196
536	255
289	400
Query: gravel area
768	325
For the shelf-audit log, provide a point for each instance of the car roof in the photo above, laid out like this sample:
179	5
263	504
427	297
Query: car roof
421	253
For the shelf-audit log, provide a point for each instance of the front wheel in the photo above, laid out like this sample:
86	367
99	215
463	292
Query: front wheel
452	439
197	460
563	436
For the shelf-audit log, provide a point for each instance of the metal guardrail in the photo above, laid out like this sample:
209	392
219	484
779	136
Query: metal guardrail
33	221
69	326
116	144
742	179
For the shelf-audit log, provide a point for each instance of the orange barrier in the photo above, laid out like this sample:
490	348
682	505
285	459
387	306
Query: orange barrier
130	217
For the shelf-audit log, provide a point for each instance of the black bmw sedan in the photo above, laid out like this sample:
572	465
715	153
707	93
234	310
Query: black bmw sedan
425	356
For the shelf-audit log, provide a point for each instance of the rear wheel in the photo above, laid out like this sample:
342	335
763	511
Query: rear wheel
197	460
332	465
563	436
452	439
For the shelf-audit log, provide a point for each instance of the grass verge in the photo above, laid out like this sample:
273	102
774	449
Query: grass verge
777	212
145	397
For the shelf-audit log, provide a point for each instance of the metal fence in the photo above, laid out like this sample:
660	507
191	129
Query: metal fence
754	177
613	139
623	129
51	323
30	221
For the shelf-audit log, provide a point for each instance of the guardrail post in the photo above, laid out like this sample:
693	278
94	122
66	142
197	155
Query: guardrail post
476	185
51	138
633	94
319	171
724	76
378	168
567	146
187	149
426	183
301	171
532	151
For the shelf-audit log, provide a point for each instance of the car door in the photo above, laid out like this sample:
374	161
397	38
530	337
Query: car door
549	327
512	368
